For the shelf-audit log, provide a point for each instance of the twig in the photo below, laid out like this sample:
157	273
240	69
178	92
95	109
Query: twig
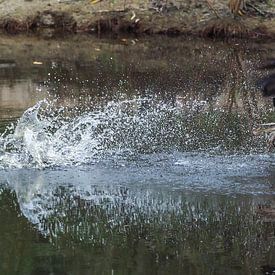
212	8
256	9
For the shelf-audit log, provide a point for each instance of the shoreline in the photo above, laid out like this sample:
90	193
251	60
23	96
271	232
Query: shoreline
53	16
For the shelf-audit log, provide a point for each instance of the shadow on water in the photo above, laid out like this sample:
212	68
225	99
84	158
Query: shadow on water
134	157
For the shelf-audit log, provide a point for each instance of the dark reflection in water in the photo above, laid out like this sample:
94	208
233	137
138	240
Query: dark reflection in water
142	160
132	232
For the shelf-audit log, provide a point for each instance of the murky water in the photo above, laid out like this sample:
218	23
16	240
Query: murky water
134	156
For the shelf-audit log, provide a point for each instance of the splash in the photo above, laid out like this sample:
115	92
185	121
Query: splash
47	135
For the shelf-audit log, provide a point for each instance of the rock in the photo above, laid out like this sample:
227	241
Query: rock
47	20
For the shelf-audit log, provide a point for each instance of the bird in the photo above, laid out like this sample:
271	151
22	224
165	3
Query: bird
267	84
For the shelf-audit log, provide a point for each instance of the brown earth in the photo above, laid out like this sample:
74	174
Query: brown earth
132	16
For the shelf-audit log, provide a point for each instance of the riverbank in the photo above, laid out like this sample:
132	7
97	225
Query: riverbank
138	17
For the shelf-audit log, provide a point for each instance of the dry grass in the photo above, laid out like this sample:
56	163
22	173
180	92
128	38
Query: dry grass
225	28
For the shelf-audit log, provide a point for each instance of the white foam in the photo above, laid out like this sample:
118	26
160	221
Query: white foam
47	135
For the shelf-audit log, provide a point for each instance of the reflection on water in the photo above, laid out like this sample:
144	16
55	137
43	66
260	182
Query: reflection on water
134	159
130	230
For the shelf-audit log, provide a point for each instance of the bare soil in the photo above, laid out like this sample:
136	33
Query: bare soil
194	17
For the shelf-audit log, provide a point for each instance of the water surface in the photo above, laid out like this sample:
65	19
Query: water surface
134	156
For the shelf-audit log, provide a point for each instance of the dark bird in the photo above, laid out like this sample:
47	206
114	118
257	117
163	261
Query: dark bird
267	84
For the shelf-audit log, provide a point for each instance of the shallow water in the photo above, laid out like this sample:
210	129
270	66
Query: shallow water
131	156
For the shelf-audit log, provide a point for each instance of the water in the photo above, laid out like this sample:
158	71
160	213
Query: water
136	158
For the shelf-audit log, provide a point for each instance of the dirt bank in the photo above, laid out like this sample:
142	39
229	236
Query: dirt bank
133	16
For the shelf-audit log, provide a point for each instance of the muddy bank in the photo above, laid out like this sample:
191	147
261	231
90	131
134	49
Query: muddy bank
130	16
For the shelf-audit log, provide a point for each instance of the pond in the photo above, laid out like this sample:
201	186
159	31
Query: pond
134	156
